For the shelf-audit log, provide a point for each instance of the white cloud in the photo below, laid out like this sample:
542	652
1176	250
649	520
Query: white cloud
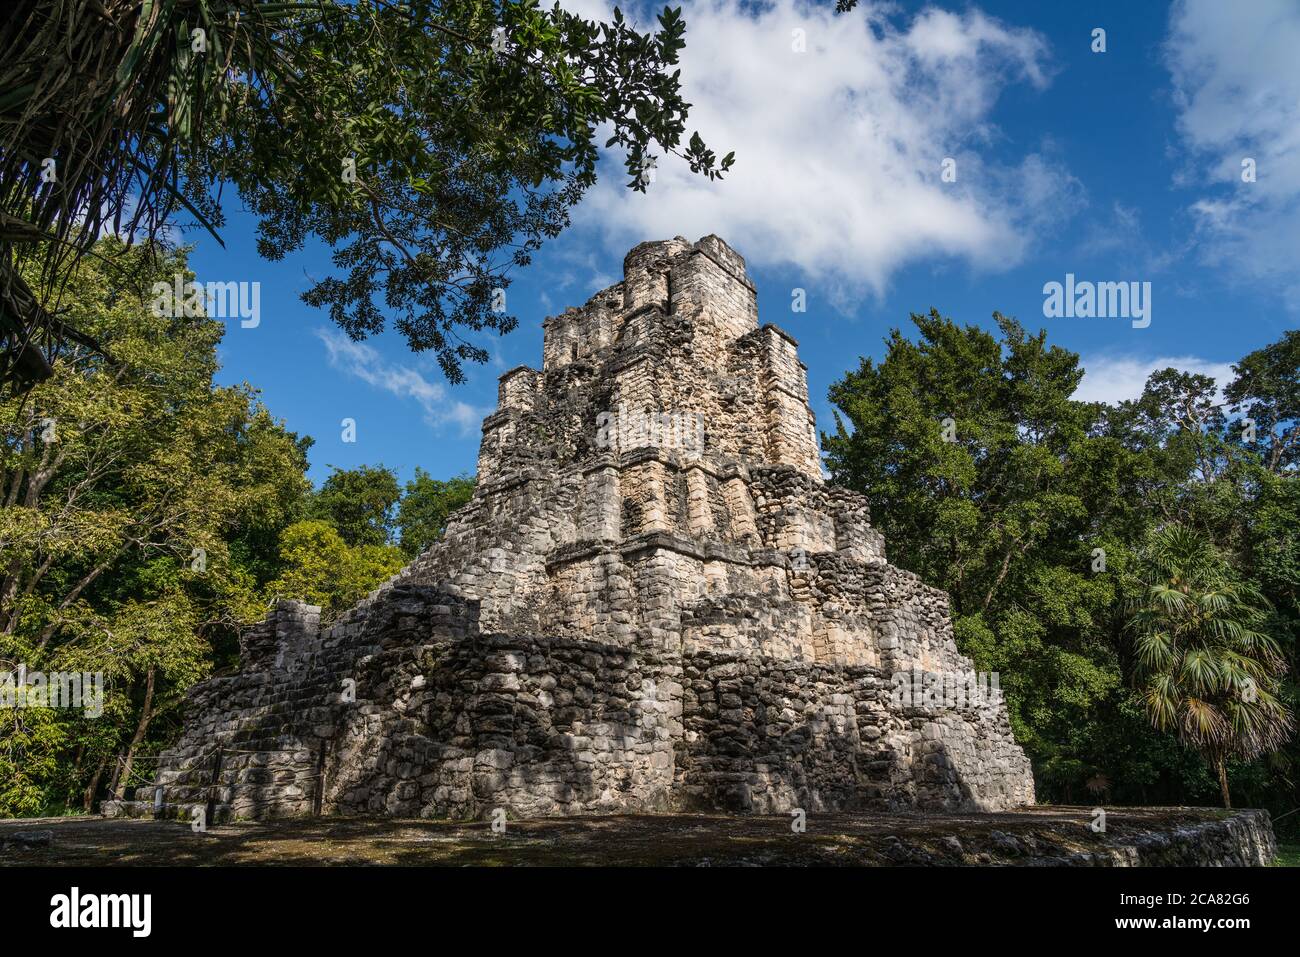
366	363
1116	378
839	148
1236	84
579	267
1120	235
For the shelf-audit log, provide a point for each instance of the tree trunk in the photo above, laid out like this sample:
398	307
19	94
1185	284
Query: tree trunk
76	773
117	772
1223	782
93	788
8	603
53	627
145	714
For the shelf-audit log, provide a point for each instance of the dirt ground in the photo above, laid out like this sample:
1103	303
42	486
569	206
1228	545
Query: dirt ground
1038	835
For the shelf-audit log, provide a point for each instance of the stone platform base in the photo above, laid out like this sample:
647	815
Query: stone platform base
1188	837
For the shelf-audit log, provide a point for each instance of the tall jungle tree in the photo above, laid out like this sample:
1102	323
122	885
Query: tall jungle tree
130	493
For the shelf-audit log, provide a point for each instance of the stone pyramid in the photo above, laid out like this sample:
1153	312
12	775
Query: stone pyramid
653	602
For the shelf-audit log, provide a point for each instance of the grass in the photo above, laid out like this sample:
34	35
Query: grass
1288	855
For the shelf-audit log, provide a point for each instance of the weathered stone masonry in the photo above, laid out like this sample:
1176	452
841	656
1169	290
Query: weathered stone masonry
635	625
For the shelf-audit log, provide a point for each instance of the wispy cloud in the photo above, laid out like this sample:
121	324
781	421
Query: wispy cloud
1114	378
578	267
1236	87
367	364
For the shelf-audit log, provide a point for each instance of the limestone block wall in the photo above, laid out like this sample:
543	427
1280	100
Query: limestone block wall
534	726
710	286
645	272
591	593
795	510
580	334
768	623
769	736
255	742
518	389
447	722
792	427
855	539
677	338
497	561
288	625
602	518
741	416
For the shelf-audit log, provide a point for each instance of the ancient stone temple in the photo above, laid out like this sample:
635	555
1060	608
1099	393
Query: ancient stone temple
653	602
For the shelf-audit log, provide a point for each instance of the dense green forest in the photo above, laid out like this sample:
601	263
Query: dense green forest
147	515
1131	571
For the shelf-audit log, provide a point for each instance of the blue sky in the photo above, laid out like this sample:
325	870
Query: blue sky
1115	166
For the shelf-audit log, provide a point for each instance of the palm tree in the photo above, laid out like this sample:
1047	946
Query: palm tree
1204	670
100	100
